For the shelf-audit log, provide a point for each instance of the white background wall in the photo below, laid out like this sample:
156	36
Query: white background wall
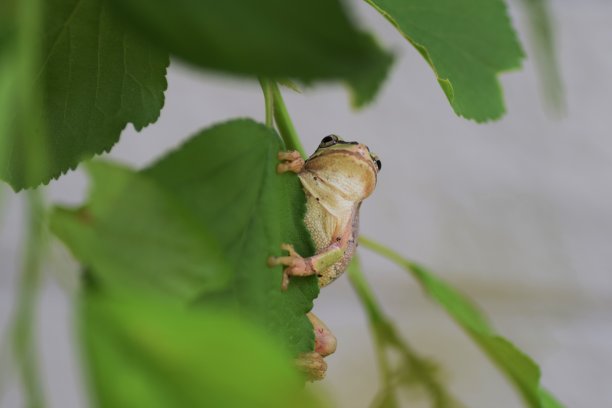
518	214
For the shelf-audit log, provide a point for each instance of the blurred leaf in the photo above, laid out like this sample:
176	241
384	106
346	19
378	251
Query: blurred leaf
93	77
467	43
365	84
519	367
548	401
134	233
143	352
543	40
301	39
215	201
515	364
20	45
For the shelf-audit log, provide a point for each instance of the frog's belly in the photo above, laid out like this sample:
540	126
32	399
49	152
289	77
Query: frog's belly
320	223
324	229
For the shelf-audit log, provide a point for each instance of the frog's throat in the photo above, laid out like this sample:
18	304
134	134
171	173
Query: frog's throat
334	200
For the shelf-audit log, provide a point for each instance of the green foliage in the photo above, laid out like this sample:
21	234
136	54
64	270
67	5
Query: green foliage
179	307
93	77
301	39
145	352
199	226
466	42
134	233
515	364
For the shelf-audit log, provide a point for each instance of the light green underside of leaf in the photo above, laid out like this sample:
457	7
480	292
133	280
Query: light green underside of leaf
466	42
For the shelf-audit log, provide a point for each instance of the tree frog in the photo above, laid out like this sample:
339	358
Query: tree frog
336	179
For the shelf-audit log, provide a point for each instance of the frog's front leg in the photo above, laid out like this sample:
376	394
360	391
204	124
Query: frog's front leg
296	265
291	160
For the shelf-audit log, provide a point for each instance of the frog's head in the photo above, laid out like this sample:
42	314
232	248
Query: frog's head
349	167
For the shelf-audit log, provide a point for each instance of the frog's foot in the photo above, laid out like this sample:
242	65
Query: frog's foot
313	365
325	341
295	265
291	161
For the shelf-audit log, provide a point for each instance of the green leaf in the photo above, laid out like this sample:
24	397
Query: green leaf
227	177
215	201
92	77
136	235
144	352
467	43
272	38
365	84
548	401
516	365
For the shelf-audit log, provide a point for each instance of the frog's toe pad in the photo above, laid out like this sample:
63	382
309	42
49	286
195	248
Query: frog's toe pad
313	365
295	264
290	161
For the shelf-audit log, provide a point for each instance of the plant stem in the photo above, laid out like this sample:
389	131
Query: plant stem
24	341
385	251
385	335
28	98
283	121
378	325
266	87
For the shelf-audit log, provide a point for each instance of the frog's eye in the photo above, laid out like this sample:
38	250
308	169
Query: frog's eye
329	141
376	160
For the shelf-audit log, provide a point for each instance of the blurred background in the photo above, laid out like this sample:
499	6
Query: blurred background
517	214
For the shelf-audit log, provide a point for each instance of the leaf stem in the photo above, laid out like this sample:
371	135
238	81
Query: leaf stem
387	253
266	87
283	121
378	325
24	344
386	336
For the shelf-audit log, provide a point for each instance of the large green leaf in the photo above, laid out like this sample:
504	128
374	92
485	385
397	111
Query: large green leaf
202	223
301	39
92	77
516	365
226	176
466	42
144	352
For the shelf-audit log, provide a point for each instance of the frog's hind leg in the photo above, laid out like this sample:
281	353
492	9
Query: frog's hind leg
291	161
325	341
296	265
312	364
